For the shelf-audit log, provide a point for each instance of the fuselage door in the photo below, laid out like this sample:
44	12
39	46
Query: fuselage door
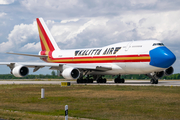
128	46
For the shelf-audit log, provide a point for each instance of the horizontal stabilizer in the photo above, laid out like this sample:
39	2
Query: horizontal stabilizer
40	56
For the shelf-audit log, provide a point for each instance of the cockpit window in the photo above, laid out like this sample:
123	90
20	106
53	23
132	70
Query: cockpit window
158	44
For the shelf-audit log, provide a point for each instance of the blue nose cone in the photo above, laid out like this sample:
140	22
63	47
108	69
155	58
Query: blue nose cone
162	57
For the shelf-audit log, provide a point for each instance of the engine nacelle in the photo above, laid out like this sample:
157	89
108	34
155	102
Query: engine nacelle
20	71
159	74
71	73
169	71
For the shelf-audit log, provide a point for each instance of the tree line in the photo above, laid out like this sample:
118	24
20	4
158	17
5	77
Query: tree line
54	75
40	76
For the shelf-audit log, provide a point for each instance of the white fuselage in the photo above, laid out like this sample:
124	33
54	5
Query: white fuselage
133	57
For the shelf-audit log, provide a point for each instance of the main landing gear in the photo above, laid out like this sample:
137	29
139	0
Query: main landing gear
99	79
119	79
89	79
86	80
154	81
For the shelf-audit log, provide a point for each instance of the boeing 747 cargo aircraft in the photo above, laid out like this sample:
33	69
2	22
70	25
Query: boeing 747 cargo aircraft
149	57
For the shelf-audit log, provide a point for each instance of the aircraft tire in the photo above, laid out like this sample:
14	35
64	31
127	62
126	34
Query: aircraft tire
104	80
152	81
156	82
78	81
98	80
87	80
82	80
90	81
101	80
116	80
122	80
119	80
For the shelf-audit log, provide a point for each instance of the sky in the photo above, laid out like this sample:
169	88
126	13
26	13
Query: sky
86	24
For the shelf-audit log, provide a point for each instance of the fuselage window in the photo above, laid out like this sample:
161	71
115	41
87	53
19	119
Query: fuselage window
158	44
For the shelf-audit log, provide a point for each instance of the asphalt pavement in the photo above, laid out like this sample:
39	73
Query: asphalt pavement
127	82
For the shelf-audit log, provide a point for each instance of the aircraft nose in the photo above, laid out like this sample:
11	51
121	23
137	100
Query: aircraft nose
162	57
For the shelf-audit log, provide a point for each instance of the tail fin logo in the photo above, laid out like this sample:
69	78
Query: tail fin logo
47	41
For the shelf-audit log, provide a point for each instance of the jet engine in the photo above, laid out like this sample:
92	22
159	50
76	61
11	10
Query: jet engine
71	73
159	74
20	71
169	71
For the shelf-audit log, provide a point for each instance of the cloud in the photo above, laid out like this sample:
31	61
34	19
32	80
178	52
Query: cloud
31	47
71	20
90	32
91	23
86	31
2	14
23	35
6	1
69	9
53	7
161	26
125	20
67	32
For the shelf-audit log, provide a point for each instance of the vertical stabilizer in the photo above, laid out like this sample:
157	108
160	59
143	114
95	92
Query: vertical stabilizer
47	41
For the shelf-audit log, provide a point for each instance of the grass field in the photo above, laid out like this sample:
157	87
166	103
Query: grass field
22	102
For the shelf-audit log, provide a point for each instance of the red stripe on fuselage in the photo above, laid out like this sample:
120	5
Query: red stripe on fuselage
102	59
89	57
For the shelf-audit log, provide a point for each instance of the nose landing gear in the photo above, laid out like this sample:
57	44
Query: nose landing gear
154	81
119	79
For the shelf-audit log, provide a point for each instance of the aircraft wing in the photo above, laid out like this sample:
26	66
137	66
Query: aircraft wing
57	66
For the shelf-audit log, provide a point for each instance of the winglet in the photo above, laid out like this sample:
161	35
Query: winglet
47	41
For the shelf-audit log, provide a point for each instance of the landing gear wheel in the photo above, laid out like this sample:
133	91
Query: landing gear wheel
101	80
104	80
122	80
119	80
90	81
116	80
98	80
154	81
78	81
